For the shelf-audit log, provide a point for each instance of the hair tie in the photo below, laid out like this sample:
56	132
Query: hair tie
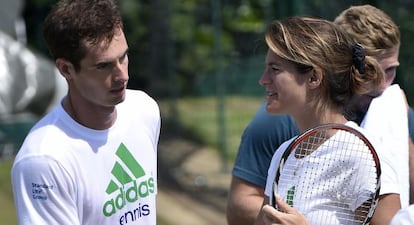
359	57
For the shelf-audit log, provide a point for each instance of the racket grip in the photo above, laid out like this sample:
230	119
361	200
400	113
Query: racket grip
272	199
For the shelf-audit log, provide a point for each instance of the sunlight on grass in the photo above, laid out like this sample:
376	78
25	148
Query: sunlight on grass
199	115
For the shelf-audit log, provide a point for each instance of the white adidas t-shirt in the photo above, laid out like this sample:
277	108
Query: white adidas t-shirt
66	173
321	206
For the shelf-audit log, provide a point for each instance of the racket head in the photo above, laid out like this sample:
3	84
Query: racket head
333	169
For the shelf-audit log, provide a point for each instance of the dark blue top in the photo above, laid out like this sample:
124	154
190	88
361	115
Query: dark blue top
259	141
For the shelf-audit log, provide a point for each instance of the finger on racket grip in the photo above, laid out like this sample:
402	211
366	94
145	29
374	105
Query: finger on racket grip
283	206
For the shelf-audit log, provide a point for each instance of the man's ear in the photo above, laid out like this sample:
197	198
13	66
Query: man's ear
315	78
65	68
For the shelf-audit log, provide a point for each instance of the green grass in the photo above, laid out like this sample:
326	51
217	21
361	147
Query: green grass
7	212
199	116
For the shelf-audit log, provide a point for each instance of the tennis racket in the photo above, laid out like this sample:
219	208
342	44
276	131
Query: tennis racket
331	174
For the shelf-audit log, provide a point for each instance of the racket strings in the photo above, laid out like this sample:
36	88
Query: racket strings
309	145
331	177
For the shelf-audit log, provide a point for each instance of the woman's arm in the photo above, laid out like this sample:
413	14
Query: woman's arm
388	206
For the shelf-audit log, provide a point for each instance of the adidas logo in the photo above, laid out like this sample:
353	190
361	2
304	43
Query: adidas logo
129	182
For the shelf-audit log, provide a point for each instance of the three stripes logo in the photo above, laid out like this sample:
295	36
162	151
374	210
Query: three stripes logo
129	182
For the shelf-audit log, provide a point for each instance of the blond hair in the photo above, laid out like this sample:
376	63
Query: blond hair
372	28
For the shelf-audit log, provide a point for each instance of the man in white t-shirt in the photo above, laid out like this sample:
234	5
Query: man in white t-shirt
93	158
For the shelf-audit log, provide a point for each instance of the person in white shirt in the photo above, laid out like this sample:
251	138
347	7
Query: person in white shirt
93	158
312	71
259	141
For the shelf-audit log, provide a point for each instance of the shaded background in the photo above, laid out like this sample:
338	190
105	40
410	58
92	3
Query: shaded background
210	48
200	59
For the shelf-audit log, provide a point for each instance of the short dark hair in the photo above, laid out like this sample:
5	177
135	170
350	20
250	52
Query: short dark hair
71	23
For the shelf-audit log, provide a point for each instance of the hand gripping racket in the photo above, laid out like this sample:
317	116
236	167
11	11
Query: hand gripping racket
331	174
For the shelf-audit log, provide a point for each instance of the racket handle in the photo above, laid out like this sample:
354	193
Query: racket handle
272	199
